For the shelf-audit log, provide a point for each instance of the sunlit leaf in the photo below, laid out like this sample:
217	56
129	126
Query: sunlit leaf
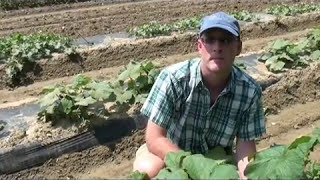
86	101
278	66
174	159
315	55
81	80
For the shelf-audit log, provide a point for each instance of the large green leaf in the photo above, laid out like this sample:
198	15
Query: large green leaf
299	48
316	133
277	163
140	98
142	81
136	175
281	162
265	56
315	55
273	152
218	153
152	76
51	109
122	98
280	44
286	57
67	105
199	167
81	80
148	66
278	66
299	141
49	98
86	101
168	173
100	91
132	70
303	145
224	171
272	60
174	159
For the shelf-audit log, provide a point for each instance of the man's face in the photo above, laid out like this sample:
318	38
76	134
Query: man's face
218	49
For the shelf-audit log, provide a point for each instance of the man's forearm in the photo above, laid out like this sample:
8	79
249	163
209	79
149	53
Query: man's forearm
161	146
243	150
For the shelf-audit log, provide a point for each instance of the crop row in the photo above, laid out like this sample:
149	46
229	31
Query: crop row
153	29
283	54
20	52
16	4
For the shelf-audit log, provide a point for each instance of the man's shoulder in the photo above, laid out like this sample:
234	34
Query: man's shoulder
243	79
182	69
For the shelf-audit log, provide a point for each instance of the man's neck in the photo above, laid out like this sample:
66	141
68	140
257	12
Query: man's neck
215	82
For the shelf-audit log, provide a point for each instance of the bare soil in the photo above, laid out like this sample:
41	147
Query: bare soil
87	19
299	86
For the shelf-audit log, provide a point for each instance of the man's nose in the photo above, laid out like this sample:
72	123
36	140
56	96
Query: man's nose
217	47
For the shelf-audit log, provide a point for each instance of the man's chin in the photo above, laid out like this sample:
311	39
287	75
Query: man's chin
216	69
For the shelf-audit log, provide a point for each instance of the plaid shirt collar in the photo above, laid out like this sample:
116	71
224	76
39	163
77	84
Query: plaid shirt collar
195	73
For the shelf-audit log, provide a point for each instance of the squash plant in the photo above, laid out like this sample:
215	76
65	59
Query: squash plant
283	54
153	29
20	52
291	10
82	101
242	15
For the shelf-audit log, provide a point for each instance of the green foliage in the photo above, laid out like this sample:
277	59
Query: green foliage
83	100
277	162
16	4
20	52
153	29
135	82
1	127
240	65
187	24
184	165
291	10
77	102
242	15
313	168
284	54
138	175
282	162
313	171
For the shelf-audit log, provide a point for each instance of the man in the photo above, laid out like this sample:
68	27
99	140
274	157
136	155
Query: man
202	103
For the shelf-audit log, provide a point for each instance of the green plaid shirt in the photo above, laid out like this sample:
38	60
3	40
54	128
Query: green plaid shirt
180	103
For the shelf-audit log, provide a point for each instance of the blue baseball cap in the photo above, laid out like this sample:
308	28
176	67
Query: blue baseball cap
220	20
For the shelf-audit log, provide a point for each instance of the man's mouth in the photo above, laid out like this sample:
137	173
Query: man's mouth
217	58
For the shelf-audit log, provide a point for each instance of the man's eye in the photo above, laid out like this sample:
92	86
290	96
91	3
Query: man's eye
214	40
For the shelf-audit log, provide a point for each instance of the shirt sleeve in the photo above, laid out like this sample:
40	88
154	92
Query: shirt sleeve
159	105
252	125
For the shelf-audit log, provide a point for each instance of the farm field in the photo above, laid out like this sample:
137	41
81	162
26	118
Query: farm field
281	51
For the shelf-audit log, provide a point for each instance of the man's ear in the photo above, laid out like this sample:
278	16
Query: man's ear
199	45
239	47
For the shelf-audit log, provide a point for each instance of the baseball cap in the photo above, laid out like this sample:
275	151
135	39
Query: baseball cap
220	20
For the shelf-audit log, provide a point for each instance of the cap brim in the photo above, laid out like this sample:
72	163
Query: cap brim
220	26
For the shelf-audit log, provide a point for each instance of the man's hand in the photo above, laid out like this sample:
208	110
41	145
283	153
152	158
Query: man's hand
157	142
243	150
